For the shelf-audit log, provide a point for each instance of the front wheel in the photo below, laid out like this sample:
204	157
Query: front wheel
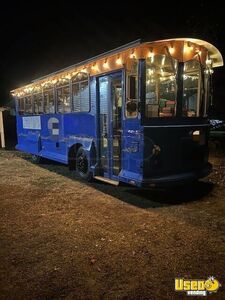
82	165
36	159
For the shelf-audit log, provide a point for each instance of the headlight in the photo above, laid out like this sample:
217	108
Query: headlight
198	136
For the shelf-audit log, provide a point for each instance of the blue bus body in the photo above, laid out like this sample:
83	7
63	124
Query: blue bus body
139	151
180	157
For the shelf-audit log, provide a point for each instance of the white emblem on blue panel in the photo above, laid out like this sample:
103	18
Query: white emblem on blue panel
53	126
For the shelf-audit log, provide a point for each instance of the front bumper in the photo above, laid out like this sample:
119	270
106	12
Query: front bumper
176	179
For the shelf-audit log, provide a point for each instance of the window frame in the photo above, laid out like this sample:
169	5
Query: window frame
42	102
199	90
176	88
32	105
89	93
179	78
19	111
128	75
56	98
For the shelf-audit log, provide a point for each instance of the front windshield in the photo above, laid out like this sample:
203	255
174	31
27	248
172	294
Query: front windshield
161	86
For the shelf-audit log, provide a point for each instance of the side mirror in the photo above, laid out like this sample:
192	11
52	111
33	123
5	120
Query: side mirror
131	106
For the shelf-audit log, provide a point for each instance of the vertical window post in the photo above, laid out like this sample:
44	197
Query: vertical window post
142	86
55	99
180	89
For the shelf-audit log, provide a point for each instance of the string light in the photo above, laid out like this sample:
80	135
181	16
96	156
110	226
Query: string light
185	49
132	55
188	47
209	71
151	55
106	64
37	88
208	62
171	49
28	90
119	61
94	67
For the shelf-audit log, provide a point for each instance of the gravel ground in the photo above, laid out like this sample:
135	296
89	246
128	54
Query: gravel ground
62	238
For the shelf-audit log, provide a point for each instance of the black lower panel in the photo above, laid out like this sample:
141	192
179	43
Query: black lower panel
171	150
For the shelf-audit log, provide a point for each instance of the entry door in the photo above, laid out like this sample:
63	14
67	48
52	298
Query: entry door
110	123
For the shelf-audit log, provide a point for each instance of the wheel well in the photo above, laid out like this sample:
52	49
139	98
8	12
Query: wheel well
72	156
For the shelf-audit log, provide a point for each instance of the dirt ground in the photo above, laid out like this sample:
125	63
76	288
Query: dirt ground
63	238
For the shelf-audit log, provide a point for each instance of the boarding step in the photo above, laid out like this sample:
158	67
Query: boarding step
107	180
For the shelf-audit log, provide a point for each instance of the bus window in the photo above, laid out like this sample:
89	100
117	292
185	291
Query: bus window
38	103
80	93
49	106
132	91
63	99
21	106
161	86
191	89
28	105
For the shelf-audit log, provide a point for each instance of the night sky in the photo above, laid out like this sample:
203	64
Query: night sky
42	37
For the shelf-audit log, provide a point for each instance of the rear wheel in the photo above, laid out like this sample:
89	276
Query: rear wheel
82	165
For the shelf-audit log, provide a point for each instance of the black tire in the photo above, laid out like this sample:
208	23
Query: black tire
36	159
82	165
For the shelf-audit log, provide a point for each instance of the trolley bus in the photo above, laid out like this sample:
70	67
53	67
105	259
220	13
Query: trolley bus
136	114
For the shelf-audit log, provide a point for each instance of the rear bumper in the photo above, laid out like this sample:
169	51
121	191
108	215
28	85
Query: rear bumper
177	179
